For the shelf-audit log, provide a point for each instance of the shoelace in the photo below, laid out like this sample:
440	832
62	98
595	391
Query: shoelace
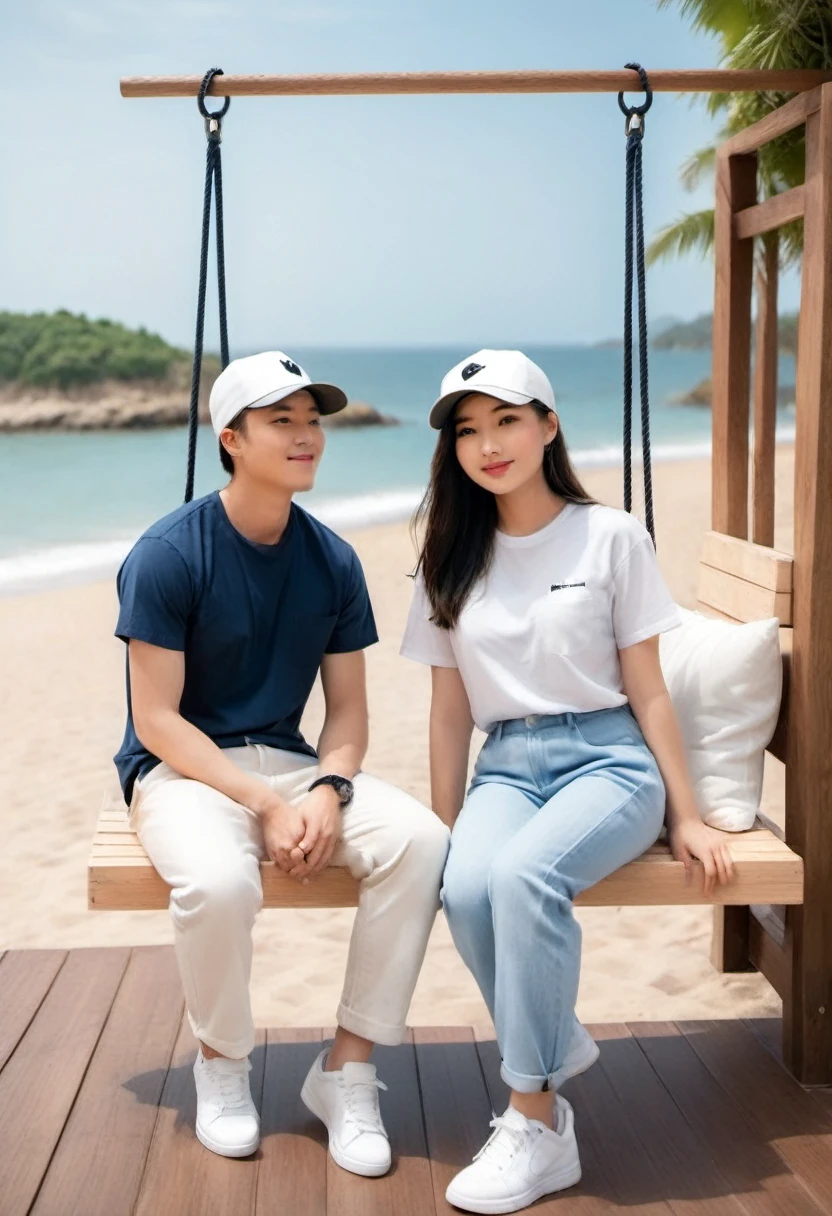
232	1088
361	1100
504	1142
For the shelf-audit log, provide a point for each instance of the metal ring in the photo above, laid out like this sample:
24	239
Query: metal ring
203	89
628	111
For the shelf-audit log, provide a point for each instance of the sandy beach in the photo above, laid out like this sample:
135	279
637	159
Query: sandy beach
61	718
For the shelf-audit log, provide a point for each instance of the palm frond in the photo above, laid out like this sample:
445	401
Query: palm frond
689	233
752	34
696	167
726	18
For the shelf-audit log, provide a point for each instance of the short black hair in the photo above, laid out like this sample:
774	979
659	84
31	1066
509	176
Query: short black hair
237	423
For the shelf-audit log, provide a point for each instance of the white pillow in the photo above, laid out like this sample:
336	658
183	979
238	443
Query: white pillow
725	681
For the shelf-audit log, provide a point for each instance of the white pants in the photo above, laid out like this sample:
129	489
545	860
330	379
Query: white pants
208	848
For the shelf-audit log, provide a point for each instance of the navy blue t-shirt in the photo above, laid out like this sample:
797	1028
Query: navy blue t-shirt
254	622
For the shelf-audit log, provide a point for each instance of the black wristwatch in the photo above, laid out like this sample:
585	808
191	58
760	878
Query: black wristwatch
342	786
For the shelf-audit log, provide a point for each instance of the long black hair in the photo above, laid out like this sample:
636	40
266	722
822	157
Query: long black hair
460	520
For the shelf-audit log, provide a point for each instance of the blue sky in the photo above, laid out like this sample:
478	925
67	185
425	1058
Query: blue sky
349	221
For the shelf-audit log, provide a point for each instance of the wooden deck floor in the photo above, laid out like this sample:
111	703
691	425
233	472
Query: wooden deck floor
97	1109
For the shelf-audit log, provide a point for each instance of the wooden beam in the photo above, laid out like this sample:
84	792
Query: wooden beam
729	939
736	188
773	919
778	745
793	114
121	878
756	563
769	956
686	80
765	396
808	1007
770	214
741	600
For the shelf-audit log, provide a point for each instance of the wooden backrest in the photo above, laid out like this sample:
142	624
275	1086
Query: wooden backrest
745	581
742	575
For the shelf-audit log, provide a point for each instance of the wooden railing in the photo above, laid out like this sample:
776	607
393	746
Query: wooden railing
742	575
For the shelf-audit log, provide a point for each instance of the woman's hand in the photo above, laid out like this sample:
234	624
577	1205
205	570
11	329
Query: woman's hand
694	839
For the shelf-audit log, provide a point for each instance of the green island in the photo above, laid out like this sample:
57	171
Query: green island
63	371
698	335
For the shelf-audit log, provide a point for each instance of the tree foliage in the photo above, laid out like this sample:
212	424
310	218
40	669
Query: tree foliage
752	34
65	350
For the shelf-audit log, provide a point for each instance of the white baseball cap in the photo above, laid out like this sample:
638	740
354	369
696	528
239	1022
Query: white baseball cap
506	374
263	379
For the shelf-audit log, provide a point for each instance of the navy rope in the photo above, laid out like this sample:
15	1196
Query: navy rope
213	186
634	217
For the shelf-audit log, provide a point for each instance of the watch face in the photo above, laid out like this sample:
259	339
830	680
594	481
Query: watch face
344	788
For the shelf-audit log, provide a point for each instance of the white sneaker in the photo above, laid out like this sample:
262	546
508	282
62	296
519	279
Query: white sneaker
522	1161
226	1118
582	1054
347	1103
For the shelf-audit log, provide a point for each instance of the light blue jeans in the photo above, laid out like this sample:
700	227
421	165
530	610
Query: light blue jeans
556	803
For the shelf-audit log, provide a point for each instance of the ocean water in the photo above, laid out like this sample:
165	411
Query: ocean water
72	504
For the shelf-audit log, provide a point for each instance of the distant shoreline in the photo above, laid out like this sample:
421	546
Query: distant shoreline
121	406
94	561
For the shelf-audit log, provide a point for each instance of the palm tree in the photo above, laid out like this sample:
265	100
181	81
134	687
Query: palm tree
752	34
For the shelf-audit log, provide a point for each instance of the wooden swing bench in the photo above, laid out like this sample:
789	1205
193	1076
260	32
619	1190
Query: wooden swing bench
739	580
122	878
777	914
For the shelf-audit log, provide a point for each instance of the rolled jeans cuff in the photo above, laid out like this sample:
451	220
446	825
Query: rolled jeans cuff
523	1084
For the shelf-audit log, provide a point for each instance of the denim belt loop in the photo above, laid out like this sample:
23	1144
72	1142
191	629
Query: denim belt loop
571	718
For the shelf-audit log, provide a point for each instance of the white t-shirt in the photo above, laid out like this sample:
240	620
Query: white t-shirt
540	634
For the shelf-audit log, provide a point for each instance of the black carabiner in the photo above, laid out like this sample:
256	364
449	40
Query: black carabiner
213	118
630	111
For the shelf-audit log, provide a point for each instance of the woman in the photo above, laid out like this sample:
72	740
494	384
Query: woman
539	612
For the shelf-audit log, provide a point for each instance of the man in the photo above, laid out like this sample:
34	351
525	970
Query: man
230	606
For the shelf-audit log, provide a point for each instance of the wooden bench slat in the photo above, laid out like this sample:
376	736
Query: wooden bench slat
760	564
121	877
741	600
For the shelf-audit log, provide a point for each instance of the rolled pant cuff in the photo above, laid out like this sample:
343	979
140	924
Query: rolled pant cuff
234	1049
376	1032
522	1083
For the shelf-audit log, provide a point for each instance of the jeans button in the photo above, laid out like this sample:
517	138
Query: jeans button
531	720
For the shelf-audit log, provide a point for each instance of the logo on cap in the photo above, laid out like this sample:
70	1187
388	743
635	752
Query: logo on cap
470	370
291	366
